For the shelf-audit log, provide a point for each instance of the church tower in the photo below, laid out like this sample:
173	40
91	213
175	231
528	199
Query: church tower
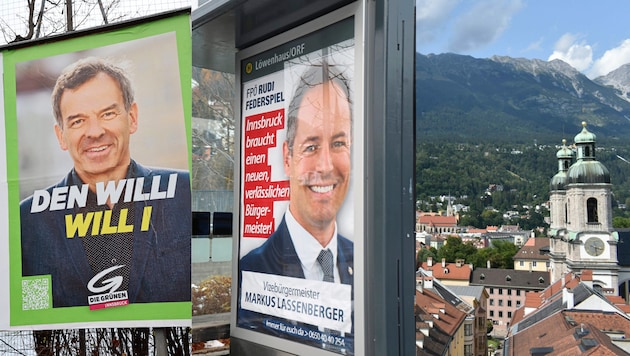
581	221
558	209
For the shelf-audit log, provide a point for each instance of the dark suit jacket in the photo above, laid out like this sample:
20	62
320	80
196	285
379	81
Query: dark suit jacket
160	268
277	256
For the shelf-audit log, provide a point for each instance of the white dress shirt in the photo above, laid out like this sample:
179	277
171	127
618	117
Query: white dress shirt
308	248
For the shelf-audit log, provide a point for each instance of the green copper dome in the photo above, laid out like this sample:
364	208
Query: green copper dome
588	172
564	151
585	136
565	157
587	169
558	182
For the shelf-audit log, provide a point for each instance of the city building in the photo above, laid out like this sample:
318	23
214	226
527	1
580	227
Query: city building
436	224
570	317
581	232
507	289
440	326
533	255
457	273
476	296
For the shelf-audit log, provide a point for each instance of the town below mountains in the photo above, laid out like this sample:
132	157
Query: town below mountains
500	121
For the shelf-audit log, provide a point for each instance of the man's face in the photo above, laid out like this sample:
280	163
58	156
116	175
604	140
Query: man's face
319	164
96	128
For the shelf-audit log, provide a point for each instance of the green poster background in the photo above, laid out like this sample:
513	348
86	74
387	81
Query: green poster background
143	314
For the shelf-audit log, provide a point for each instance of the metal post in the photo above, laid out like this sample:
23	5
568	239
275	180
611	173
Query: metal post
390	242
70	25
160	342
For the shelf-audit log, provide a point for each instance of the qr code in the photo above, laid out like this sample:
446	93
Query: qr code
36	293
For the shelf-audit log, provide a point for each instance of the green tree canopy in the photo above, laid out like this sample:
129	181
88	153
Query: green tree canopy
455	249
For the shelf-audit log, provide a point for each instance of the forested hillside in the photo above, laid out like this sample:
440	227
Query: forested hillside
524	171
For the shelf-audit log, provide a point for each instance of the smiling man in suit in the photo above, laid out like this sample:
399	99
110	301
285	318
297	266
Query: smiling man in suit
317	160
112	239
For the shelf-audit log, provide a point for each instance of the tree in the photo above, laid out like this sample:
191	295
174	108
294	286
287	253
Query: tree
491	218
109	341
455	249
471	219
49	17
620	222
535	220
426	252
505	252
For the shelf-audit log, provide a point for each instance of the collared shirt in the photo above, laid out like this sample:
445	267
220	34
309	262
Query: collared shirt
308	248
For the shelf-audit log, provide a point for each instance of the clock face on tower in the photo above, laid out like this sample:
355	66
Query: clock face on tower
594	246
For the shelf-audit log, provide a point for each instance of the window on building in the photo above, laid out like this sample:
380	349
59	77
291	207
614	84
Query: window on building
521	263
518	303
509	291
500	314
500	302
491	301
467	329
500	291
548	264
491	313
468	350
518	292
509	314
509	303
491	290
534	263
591	210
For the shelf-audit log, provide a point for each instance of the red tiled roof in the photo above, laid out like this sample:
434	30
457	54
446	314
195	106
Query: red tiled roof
436	220
570	281
451	271
602	321
566	336
445	316
537	299
619	302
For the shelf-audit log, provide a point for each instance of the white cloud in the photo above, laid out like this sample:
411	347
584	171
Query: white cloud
431	18
571	50
611	60
483	24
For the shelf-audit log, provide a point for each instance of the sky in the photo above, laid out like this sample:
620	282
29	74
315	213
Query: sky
592	36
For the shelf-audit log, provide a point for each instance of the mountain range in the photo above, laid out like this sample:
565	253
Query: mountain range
502	99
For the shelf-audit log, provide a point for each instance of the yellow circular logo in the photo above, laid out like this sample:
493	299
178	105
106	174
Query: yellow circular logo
248	68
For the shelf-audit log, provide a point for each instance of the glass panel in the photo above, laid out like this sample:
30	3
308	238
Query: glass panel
213	195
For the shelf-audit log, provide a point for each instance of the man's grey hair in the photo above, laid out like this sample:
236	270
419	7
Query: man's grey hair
81	71
316	74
